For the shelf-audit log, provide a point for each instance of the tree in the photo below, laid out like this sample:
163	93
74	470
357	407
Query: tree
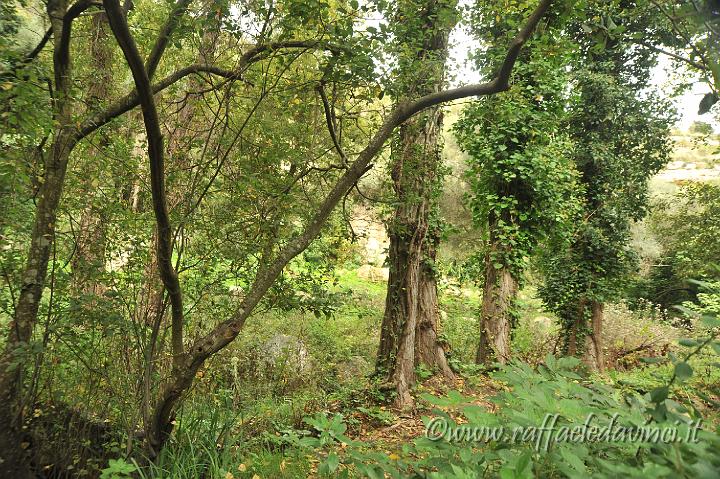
521	178
620	141
185	369
702	128
409	333
71	124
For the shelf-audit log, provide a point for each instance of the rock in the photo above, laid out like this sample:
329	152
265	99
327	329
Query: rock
285	351
373	273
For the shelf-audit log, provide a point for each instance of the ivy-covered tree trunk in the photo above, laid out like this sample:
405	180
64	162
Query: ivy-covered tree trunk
409	334
583	333
496	313
574	324
428	348
409	329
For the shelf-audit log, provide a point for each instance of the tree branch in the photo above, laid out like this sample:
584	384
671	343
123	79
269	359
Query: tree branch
36	51
330	123
177	12
62	53
156	152
255	54
681	58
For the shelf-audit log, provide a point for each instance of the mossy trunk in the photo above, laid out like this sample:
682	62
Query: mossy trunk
496	313
593	354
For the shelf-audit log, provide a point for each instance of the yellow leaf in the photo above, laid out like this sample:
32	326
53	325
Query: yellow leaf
393	457
255	476
242	468
229	475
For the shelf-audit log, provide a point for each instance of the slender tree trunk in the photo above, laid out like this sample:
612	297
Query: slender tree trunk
496	314
593	355
13	459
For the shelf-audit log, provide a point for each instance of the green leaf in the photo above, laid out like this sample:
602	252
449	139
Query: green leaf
683	371
660	394
332	461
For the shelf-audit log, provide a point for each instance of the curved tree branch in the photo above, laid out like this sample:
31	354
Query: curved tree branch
329	119
177	12
255	54
36	51
692	63
156	152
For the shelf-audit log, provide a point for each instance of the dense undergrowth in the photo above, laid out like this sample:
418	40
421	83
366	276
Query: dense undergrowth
317	411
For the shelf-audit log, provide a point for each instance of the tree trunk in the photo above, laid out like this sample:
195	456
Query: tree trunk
574	332
89	255
408	336
496	314
14	461
428	348
593	355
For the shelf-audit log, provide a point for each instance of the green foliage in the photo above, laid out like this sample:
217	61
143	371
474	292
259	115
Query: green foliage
687	224
118	469
521	178
511	442
620	141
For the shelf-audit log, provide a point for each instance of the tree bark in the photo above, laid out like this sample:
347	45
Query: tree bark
89	255
14	461
496	314
408	334
593	354
428	348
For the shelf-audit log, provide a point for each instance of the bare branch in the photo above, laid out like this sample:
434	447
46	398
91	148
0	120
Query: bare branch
681	58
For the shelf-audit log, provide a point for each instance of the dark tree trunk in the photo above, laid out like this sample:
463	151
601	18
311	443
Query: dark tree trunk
13	457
